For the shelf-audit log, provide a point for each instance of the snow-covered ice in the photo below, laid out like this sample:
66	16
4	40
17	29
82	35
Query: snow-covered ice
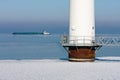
104	68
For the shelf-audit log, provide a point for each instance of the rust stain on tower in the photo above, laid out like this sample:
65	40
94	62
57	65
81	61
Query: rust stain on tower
81	54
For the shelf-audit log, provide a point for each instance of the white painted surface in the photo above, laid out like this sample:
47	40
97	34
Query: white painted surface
82	25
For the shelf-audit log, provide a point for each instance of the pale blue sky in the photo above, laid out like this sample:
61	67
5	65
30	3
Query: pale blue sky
52	13
108	10
33	10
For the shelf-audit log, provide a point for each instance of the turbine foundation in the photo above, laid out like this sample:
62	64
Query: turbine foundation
81	54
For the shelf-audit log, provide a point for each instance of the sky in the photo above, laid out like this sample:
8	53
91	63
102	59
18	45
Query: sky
36	15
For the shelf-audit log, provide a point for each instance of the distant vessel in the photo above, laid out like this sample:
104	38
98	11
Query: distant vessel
25	33
31	33
45	33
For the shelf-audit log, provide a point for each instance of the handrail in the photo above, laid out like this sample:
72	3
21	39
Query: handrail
103	40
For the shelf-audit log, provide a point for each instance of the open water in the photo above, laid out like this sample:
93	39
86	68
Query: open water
40	47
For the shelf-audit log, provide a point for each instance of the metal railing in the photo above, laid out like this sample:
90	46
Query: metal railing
108	40
78	41
101	40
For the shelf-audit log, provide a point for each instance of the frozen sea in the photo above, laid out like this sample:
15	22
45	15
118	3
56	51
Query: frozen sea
41	57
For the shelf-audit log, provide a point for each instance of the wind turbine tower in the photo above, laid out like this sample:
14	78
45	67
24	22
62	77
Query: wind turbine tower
81	44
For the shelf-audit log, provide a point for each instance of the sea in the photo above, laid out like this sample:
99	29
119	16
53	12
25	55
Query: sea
22	47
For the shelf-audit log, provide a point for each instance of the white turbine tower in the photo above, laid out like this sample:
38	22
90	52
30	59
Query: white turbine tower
81	44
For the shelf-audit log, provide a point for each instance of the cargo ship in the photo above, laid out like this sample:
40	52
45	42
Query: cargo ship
31	33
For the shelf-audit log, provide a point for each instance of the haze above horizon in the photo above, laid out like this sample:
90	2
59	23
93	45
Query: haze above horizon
21	15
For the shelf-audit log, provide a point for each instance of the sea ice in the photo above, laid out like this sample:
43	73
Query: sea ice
60	69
